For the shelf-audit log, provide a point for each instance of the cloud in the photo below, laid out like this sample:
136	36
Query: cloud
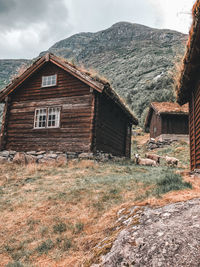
176	13
37	24
99	15
28	27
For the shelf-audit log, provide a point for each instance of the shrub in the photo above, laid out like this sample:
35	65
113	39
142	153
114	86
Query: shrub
14	264
67	243
59	228
171	181
78	227
45	246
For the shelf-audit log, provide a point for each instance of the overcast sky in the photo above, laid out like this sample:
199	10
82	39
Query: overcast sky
28	27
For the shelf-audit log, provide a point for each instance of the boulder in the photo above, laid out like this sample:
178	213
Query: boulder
3	160
51	155
4	153
41	152
31	153
61	159
46	160
19	158
30	159
86	156
12	152
71	155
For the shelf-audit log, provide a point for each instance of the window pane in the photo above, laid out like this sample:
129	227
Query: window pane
40	118
49	80
53	117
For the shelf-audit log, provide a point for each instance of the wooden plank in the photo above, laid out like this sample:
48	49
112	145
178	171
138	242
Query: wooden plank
193	119
4	124
57	101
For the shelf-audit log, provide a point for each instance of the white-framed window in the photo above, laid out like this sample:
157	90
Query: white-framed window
49	80
47	117
53	117
40	118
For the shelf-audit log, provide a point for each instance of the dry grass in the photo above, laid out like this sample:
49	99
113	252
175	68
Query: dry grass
55	215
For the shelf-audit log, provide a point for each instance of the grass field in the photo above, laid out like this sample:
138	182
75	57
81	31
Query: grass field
55	215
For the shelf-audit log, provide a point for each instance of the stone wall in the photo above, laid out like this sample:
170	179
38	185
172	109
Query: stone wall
51	157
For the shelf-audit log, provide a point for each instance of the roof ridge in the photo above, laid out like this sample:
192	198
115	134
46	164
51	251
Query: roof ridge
85	76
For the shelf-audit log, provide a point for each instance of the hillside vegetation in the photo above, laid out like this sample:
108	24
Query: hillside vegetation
138	61
56	215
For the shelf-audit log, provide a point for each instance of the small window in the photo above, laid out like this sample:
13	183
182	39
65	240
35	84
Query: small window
49	80
47	118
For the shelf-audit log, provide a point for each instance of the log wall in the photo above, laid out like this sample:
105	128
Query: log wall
155	125
194	126
76	103
112	135
175	124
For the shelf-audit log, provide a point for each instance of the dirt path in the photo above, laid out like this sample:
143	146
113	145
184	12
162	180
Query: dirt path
166	236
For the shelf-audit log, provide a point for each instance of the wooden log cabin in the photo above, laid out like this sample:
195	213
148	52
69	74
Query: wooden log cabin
188	86
167	120
54	106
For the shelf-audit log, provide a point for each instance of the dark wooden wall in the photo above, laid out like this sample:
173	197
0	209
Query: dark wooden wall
168	124
76	102
155	125
194	128
111	129
175	124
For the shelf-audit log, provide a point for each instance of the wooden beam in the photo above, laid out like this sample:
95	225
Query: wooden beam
4	125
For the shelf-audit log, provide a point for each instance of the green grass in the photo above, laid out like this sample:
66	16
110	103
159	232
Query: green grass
15	264
171	182
64	202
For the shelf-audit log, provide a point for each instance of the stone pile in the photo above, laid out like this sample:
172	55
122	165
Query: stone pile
51	156
153	144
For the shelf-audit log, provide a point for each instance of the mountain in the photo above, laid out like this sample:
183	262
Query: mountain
9	67
137	60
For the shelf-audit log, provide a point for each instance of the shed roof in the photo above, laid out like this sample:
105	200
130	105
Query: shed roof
98	84
191	60
165	108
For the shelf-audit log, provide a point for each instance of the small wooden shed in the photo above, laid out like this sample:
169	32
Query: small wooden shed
166	120
188	87
54	106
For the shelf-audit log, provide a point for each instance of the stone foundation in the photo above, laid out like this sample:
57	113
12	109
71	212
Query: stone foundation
52	156
173	137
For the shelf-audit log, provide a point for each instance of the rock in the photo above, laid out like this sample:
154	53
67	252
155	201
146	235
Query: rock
171	239
19	158
86	156
51	155
61	159
30	159
4	153
40	157
40	152
31	153
45	160
71	155
3	160
12	152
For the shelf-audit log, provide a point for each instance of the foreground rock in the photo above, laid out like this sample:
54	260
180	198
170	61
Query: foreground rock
167	236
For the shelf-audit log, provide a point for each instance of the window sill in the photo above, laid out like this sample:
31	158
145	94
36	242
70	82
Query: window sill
48	86
45	128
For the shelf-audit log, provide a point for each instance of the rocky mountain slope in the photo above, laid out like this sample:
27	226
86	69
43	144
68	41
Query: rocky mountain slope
137	60
8	68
